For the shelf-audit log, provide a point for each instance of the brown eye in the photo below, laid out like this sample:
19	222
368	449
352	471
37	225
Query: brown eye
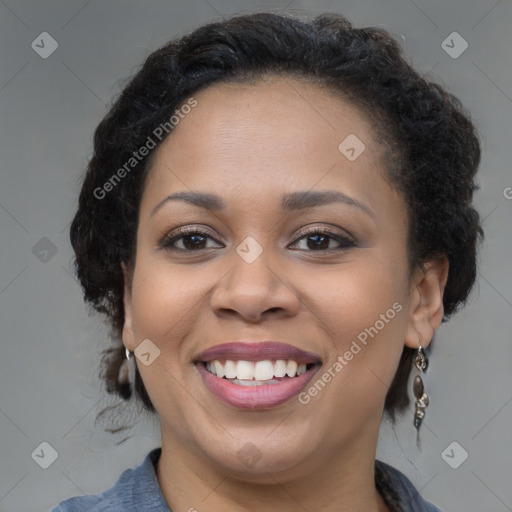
320	240
190	239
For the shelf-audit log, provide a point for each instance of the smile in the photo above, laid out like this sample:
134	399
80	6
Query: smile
250	373
256	393
247	376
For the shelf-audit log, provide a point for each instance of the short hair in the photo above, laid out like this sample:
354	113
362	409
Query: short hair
432	156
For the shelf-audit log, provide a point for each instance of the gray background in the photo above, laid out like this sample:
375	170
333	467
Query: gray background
49	389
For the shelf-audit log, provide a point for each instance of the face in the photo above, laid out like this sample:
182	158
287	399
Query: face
323	274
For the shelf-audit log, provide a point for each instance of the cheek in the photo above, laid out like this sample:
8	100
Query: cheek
362	309
164	310
163	298
352	297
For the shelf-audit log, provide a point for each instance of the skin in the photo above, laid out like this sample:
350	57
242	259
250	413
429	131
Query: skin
250	145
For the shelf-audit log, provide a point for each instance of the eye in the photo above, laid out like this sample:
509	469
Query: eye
318	240
192	239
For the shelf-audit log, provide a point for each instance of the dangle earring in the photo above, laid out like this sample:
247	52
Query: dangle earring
125	376
422	401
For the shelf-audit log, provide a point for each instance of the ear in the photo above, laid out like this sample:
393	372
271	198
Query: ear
426	304
127	335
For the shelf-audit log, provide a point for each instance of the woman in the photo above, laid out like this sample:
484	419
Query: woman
276	219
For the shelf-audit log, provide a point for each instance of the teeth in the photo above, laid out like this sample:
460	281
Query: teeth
219	370
255	371
291	368
230	370
245	370
280	368
263	370
254	382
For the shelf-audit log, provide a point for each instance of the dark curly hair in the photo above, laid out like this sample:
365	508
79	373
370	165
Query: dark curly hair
432	156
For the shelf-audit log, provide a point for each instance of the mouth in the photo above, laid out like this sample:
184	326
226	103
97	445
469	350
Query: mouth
256	375
250	373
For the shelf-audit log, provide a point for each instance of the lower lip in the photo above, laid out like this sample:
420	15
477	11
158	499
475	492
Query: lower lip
255	397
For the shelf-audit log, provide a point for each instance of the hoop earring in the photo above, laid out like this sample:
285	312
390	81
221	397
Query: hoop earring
422	400
124	376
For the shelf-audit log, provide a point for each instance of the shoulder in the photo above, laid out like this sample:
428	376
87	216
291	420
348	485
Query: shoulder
398	491
136	490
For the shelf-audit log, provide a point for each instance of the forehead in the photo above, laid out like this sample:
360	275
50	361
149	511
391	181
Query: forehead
251	140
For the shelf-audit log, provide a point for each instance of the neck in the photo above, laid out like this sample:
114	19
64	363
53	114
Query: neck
344	482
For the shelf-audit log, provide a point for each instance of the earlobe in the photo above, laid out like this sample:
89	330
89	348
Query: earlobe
426	305
127	334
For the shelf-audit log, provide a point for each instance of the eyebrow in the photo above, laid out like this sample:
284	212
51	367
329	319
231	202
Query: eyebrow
290	202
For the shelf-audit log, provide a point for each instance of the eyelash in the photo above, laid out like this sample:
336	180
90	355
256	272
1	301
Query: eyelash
169	239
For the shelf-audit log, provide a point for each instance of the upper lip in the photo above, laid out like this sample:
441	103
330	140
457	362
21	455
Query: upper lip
256	351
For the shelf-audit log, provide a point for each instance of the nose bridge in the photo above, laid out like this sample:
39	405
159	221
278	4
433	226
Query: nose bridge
253	285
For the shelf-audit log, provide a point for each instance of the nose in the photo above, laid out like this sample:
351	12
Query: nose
253	291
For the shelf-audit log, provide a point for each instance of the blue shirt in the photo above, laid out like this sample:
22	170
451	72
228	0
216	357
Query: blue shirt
138	490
